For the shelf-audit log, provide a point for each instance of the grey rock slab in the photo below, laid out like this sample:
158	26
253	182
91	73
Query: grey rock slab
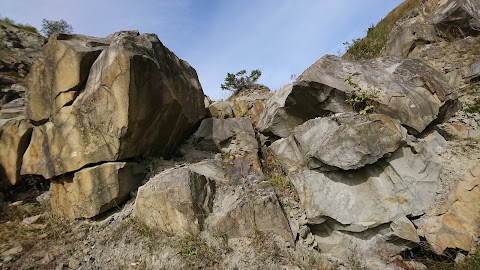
349	141
474	71
410	91
274	119
404	184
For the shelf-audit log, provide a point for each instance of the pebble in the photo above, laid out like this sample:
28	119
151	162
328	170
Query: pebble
304	231
17	203
13	251
47	259
460	257
60	266
31	220
73	263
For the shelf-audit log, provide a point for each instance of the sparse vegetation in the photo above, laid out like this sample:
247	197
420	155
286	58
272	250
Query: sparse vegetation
475	108
368	47
26	27
223	237
470	111
476	50
353	261
240	80
472	262
50	27
258	239
196	252
283	187
373	43
361	99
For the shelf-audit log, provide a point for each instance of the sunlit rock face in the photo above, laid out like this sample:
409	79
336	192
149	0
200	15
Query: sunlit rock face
138	100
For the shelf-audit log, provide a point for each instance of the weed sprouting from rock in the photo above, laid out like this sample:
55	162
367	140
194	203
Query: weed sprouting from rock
361	99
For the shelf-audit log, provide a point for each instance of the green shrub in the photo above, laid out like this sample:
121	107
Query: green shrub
361	99
240	80
368	47
471	262
26	27
50	27
475	108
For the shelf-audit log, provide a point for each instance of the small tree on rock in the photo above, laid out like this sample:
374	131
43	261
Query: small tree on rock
240	80
50	27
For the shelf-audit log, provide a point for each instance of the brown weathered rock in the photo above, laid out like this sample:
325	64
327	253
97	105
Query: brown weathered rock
19	48
138	94
14	140
216	134
94	190
454	59
220	109
63	67
456	226
250	103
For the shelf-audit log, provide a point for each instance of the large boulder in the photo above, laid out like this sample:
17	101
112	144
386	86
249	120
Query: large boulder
138	93
410	91
275	120
342	141
14	138
176	201
348	141
244	204
370	207
454	224
94	190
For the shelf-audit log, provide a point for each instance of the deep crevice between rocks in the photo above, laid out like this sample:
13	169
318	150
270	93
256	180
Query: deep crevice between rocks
38	122
424	253
91	165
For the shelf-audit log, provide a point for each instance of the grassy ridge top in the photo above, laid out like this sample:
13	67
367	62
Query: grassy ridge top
26	27
372	45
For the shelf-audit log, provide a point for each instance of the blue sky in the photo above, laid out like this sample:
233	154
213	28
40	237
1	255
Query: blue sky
279	37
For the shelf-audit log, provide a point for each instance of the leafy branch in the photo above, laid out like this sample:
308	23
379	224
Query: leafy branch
360	98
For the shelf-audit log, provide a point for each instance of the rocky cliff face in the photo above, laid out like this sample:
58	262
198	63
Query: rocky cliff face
353	163
90	102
